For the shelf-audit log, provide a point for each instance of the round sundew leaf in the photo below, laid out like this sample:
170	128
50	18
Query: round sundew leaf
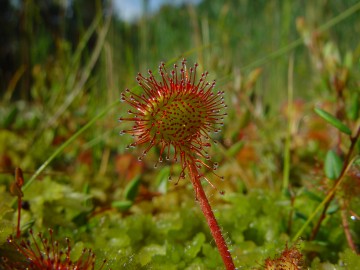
177	118
333	165
176	114
333	121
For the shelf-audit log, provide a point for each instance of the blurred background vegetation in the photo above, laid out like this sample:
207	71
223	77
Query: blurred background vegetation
64	62
221	35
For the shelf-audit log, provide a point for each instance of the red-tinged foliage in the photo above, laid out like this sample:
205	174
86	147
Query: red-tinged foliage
175	114
289	259
43	254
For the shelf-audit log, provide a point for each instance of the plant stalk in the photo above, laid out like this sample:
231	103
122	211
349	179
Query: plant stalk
331	193
210	218
346	226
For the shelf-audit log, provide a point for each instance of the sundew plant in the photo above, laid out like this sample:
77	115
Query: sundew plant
178	113
180	135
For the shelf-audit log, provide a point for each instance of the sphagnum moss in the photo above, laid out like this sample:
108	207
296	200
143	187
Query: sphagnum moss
178	113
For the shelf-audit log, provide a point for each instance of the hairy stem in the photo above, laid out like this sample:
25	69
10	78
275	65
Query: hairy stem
210	218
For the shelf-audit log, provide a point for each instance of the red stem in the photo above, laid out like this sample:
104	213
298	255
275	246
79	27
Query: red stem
210	218
344	218
18	231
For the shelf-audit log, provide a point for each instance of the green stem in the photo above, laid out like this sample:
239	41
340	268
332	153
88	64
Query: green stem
286	170
327	199
331	193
